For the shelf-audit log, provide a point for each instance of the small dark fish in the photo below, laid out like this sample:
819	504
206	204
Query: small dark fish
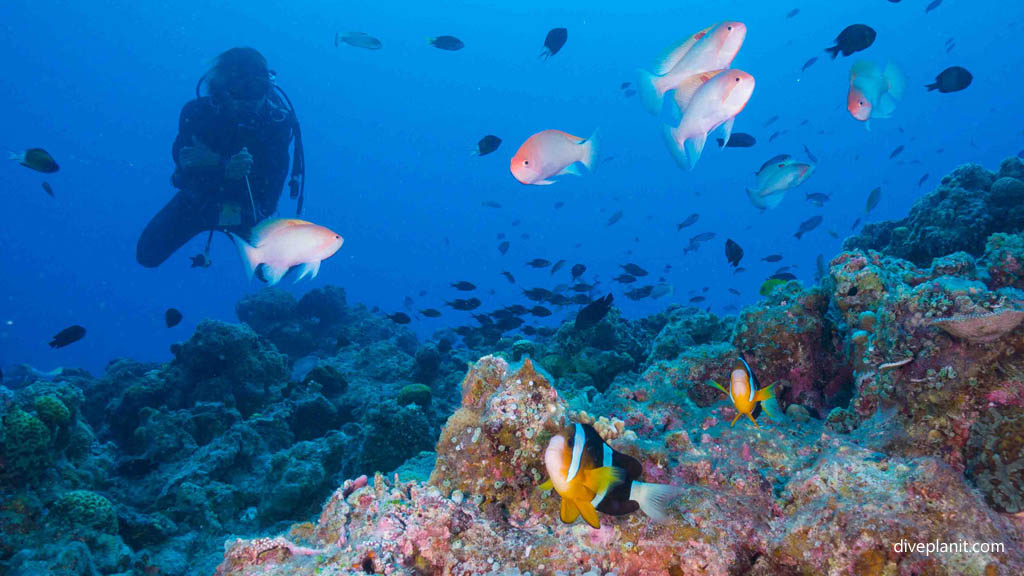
697	299
775	135
733	252
952	79
463	286
783	269
896	152
770	121
450	43
48	188
554	41
580	299
950	40
508	276
639	293
792	12
734	291
460	304
873	199
540	311
705	289
808	225
501	235
855	224
633	269
69	335
577	270
431	312
538	263
922	180
503	247
538	294
490	204
703	237
932	6
200	261
399	318
592	313
624	279
559	204
738	140
407	302
516	222
772	258
690	221
739	270
487	144
172	317
558	266
614	218
358	40
833	234
950	47
37	159
629	93
809	63
853	38
810	154
784	276
817	198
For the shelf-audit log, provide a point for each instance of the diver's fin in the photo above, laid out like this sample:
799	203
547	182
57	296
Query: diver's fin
593	144
273	275
547	485
589	514
600	480
569	512
647	86
653	498
249	254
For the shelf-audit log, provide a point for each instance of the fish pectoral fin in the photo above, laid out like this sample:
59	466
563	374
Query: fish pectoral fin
726	130
751	416
573	169
714	384
569	512
589	514
310	269
764	394
273	275
544	183
600	480
547	485
738	414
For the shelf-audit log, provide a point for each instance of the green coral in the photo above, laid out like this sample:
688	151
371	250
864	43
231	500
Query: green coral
26	444
52	411
82	509
418	394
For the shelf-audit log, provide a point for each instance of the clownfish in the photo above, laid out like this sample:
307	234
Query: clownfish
745	392
591	477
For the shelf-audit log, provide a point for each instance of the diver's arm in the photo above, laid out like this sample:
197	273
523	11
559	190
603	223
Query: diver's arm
196	165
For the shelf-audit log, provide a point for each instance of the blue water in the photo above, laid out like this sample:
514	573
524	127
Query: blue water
388	136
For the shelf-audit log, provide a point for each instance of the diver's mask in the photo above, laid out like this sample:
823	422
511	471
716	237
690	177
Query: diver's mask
247	97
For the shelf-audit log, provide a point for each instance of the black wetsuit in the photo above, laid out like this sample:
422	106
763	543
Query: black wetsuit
203	191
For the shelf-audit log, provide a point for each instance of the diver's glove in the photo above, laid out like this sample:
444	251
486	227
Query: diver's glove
197	156
238	166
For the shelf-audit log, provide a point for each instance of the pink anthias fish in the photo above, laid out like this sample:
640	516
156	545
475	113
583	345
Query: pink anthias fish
553	153
713	48
777	175
874	91
280	243
708	102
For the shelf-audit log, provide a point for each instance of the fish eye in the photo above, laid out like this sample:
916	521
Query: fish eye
336	237
861	102
526	162
730	27
780	165
737	78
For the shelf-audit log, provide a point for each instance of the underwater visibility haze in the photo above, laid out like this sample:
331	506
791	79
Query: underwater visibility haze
549	288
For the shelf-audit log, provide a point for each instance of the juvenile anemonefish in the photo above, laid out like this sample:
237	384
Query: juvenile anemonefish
590	476
745	392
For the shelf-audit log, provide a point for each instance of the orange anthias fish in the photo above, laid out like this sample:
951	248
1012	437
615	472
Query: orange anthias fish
745	393
708	102
591	477
713	48
553	153
874	91
280	243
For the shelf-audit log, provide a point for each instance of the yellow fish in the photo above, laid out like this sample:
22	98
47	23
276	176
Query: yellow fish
745	392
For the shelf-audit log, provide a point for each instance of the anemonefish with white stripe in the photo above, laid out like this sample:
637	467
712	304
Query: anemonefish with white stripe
746	392
591	477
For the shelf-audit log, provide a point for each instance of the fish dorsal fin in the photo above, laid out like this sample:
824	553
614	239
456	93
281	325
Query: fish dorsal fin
259	230
686	89
676	55
774	160
864	69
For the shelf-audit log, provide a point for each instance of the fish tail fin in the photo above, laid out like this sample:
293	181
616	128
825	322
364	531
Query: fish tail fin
653	498
932	86
896	80
834	51
592	152
799	235
544	54
647	86
250	254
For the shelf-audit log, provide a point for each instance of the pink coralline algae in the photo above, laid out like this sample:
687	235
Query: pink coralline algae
981	328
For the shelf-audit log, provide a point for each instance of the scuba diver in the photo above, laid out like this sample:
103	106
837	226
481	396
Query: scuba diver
230	157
